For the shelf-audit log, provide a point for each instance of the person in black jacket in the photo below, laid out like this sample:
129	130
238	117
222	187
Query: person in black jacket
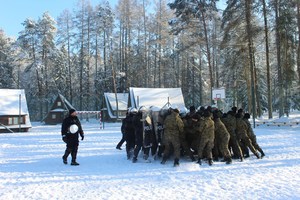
127	129
143	133
70	130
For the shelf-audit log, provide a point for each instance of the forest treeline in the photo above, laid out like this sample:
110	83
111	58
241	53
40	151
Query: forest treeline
250	47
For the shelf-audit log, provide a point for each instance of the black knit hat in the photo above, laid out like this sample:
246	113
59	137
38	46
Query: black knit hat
234	109
192	108
71	111
206	113
247	116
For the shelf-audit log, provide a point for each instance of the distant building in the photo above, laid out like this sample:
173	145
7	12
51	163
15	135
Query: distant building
59	110
14	115
110	110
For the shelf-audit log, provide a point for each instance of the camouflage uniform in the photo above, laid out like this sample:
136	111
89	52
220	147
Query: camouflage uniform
191	128
189	137
241	130
173	130
222	137
206	144
252	137
230	123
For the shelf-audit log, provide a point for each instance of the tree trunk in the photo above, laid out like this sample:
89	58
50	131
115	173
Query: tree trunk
208	53
279	69
298	50
251	56
270	107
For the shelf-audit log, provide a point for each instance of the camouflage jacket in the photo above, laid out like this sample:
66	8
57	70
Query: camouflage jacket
207	129
173	126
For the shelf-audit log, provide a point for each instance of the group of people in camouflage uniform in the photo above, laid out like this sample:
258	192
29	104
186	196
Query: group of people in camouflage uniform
206	134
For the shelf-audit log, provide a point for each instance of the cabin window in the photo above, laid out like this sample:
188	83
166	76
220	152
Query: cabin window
58	104
53	116
15	120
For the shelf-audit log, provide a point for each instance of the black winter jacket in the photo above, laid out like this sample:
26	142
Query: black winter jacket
68	137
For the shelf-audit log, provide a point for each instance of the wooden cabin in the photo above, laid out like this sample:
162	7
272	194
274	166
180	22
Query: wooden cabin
112	112
14	115
59	110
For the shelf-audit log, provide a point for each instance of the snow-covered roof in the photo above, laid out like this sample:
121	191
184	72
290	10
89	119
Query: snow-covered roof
159	97
13	102
111	103
67	103
58	110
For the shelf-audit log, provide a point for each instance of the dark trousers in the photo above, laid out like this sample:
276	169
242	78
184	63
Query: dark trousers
71	150
121	141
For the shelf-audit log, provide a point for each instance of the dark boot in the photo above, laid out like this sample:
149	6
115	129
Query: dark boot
74	163
129	154
134	159
242	158
210	162
216	159
176	162
199	161
193	158
65	156
145	156
118	147
257	155
228	160
65	161
164	160
262	154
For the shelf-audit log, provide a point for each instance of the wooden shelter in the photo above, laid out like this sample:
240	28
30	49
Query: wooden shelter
14	115
112	111
59	110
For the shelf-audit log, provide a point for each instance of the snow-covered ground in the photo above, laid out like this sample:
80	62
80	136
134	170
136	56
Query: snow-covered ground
31	168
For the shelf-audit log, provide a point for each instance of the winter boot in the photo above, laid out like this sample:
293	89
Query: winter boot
228	160
74	163
199	161
176	162
74	156
118	147
145	156
164	160
134	159
65	160
216	159
257	155
210	162
193	158
65	156
242	158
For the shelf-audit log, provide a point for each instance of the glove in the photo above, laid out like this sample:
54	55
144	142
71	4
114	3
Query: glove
82	137
64	138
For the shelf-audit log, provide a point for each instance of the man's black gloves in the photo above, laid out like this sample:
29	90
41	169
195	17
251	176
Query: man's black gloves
64	138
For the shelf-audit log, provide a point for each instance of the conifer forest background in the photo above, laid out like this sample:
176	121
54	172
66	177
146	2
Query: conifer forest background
249	47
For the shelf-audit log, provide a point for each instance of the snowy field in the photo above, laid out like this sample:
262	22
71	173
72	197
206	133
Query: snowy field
31	168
